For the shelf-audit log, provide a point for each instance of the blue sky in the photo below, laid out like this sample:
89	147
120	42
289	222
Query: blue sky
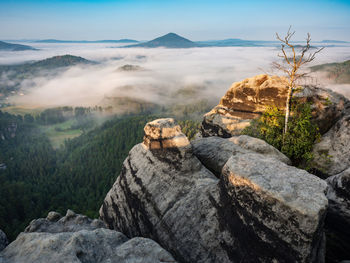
194	19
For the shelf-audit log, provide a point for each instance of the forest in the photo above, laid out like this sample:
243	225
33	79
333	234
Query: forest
35	178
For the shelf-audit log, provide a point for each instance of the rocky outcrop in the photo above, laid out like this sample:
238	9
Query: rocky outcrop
248	99
3	240
58	239
71	222
165	193
332	153
214	151
338	217
164	133
280	202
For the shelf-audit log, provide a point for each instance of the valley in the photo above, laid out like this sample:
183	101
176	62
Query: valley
71	112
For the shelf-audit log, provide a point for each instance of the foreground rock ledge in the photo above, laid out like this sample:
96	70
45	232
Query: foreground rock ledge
260	210
76	238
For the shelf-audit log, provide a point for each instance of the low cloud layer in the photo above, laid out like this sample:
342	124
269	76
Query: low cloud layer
211	71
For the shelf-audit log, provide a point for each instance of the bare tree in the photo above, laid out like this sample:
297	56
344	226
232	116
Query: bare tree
293	63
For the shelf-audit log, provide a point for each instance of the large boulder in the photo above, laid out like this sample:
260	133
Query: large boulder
283	205
338	217
165	193
215	151
52	240
3	240
248	99
332	153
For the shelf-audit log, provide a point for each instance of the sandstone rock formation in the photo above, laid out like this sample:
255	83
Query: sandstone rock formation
215	151
3	240
165	193
332	153
248	99
49	240
164	133
338	217
55	223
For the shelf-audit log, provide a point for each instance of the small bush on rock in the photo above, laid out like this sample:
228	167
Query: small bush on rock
190	128
300	138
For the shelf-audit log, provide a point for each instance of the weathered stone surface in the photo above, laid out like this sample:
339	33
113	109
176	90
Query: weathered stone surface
53	216
214	151
280	202
99	245
60	242
338	217
248	99
72	222
167	194
3	240
332	153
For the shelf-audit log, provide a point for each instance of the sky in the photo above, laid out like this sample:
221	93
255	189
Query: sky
194	19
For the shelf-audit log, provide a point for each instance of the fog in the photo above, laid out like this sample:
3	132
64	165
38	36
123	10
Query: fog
207	71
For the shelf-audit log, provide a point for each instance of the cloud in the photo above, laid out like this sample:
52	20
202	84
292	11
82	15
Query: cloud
211	71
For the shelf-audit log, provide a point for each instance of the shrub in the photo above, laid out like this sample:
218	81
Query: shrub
299	139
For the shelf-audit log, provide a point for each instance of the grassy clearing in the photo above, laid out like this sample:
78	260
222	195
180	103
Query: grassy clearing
60	132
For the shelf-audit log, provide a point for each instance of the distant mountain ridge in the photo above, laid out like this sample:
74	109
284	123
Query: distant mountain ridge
237	42
170	40
14	47
334	41
87	41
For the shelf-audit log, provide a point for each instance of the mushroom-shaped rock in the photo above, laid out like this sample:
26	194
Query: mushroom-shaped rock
164	133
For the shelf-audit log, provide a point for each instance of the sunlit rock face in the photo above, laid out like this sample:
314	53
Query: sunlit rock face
338	217
164	133
168	195
76	238
245	100
248	99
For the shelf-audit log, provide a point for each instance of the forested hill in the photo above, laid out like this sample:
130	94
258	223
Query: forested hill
338	72
49	63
